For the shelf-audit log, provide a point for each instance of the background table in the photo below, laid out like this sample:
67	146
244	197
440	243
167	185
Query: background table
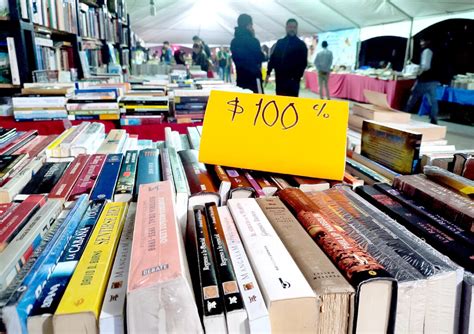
351	86
154	132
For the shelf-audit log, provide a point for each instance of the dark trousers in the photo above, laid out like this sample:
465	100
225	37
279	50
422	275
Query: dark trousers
287	87
427	89
249	81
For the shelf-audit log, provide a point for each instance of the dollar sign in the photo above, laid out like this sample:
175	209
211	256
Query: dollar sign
237	109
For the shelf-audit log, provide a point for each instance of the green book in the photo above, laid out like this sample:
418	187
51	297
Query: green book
127	176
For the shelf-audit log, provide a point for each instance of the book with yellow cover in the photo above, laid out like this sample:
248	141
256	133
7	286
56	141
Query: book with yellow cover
55	144
80	306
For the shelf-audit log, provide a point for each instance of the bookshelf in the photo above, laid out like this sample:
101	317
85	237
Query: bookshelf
52	37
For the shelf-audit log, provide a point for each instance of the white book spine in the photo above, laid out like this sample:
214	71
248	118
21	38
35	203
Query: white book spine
114	142
278	275
88	140
169	137
13	61
257	313
9	190
65	146
112	316
92	106
35	102
176	141
36	228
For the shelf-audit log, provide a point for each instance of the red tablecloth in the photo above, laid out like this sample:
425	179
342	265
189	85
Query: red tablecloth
154	132
351	86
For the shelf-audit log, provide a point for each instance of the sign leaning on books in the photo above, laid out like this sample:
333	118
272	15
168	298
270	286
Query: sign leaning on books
269	133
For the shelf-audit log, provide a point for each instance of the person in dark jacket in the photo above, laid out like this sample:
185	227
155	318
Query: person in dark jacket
247	55
289	60
205	47
200	57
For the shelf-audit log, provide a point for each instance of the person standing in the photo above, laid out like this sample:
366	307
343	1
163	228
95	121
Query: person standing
323	63
166	53
289	59
205	47
222	62
247	55
427	81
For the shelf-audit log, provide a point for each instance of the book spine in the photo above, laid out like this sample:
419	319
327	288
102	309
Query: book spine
252	296
237	180
105	186
197	175
456	182
211	298
24	244
19	142
10	189
46	178
254	184
225	270
87	286
13	61
87	179
14	221
179	177
55	143
420	227
114	301
126	180
63	188
20	304
148	170
434	219
166	166
53	291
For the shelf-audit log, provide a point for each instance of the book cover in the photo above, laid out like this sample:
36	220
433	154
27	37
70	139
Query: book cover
86	181
158	268
63	188
182	188
55	143
112	316
257	312
41	315
45	179
17	253
241	187
11	188
114	142
86	143
16	312
8	163
393	148
236	316
292	304
194	137
126	180
148	170
82	300
333	291
14	220
18	142
104	187
458	183
166	166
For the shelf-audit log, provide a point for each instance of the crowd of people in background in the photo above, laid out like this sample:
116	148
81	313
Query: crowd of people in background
287	58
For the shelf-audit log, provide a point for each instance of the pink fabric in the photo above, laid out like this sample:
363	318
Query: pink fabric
351	86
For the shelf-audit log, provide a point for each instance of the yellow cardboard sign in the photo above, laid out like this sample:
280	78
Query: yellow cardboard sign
280	134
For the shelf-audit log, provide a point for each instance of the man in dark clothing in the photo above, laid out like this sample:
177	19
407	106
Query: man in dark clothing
247	55
289	59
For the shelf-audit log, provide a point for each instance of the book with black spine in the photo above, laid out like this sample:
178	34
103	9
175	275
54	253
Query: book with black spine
45	179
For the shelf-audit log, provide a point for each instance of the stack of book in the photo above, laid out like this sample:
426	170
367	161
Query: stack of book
118	234
39	107
94	104
190	104
140	109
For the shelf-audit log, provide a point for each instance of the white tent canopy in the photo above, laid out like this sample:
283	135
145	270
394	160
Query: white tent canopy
214	20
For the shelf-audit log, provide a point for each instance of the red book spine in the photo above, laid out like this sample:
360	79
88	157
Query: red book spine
13	222
88	176
17	141
237	180
255	185
4	208
64	186
37	149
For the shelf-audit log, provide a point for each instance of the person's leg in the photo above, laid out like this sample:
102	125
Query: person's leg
431	94
295	88
320	84
416	94
326	84
221	73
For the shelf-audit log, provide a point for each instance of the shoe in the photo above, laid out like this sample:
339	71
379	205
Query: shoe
433	121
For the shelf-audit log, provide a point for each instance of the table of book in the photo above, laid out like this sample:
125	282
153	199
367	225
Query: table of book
149	131
351	86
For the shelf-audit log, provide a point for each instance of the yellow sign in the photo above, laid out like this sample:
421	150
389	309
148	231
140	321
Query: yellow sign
278	134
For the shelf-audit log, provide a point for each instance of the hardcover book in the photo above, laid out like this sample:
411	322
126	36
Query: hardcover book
292	304
104	187
82	300
66	183
396	149
126	180
158	268
241	187
40	319
333	291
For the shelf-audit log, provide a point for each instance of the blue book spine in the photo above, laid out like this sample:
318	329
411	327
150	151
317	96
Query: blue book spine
57	283
105	187
20	304
148	170
97	90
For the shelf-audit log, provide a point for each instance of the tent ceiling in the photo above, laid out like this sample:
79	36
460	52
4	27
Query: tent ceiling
214	20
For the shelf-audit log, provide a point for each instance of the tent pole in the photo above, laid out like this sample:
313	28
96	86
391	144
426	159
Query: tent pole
409	48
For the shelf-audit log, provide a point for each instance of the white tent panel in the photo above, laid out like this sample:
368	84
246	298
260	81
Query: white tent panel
399	29
214	20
